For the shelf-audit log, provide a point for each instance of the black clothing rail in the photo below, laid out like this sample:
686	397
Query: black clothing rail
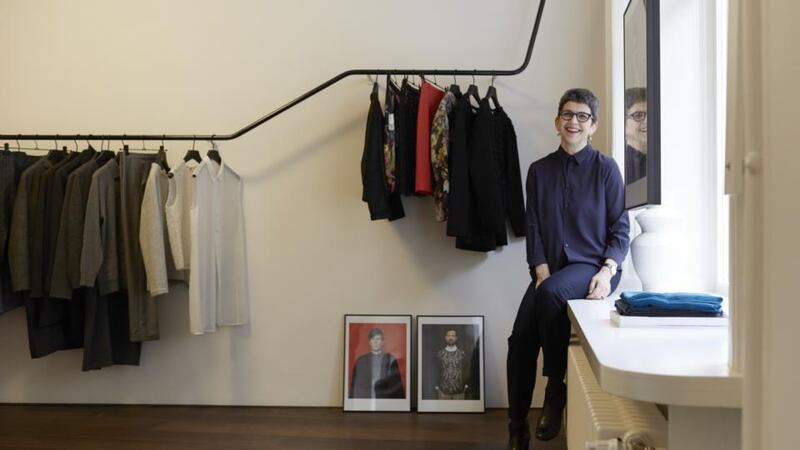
284	108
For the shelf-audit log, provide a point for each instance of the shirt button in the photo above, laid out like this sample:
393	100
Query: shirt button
566	245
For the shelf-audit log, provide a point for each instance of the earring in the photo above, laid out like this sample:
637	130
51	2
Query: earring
558	133
590	138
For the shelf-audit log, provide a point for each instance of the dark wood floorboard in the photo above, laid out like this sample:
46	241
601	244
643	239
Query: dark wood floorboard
24	427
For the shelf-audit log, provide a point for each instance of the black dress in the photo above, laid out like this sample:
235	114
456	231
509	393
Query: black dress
459	201
406	138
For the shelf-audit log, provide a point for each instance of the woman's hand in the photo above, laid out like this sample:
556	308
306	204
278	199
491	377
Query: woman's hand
600	286
541	273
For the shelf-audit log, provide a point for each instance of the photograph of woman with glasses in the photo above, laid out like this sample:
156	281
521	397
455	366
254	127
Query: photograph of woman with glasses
635	134
577	236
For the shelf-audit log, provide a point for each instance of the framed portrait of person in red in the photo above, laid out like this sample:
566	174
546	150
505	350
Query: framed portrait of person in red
377	364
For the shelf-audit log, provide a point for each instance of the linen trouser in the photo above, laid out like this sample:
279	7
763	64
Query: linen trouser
542	322
142	308
107	340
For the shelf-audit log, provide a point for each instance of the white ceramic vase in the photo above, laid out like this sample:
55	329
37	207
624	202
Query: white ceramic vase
656	252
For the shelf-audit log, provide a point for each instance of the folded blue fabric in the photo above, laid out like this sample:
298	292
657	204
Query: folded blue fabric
673	301
626	310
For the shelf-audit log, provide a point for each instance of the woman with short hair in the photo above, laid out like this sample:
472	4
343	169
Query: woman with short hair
577	236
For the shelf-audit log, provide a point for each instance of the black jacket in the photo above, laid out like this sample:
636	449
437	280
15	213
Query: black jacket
389	384
486	185
382	203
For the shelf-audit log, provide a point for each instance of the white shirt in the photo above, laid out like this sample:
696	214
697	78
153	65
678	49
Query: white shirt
178	211
218	291
158	261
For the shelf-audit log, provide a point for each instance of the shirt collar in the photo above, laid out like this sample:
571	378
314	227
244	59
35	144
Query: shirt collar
580	157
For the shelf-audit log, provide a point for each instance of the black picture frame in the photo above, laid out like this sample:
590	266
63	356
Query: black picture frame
377	402
472	330
638	192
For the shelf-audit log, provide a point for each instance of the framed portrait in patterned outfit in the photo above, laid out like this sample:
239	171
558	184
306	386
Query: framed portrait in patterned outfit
450	364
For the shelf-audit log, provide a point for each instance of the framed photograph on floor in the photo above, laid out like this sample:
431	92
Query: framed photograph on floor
450	364
377	363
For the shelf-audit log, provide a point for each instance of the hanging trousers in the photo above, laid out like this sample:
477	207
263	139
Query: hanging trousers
107	340
542	322
142	309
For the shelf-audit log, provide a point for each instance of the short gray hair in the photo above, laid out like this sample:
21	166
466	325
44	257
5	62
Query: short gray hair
581	95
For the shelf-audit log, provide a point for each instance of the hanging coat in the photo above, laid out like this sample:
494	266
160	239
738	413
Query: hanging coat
494	182
406	138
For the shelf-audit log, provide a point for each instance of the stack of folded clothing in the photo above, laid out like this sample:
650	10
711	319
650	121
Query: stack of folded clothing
655	304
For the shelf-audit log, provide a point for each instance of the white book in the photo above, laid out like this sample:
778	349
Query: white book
636	321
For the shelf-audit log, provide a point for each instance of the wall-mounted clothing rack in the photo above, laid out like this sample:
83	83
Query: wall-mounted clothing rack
287	106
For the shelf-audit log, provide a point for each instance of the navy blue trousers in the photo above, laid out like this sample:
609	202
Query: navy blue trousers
542	322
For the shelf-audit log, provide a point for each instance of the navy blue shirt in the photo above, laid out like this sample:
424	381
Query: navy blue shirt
576	210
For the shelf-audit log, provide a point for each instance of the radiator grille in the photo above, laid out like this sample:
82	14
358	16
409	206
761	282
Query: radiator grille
593	414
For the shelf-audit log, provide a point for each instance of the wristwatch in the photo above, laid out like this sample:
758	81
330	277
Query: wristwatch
612	266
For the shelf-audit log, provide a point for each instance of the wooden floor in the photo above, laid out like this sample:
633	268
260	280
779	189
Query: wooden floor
25	427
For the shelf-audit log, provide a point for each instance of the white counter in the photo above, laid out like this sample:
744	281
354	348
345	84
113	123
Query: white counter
677	366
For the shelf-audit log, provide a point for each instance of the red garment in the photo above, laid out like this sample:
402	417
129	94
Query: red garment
429	98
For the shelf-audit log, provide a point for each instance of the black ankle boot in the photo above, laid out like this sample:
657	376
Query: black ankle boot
549	425
519	436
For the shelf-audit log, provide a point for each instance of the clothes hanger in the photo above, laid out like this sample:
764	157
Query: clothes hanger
392	80
436	83
491	94
454	87
125	148
388	92
105	155
213	154
88	146
472	91
192	154
375	86
87	151
55	148
54	155
162	155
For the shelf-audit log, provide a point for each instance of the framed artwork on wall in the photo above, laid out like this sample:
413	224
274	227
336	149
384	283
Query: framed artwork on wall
377	363
642	104
450	364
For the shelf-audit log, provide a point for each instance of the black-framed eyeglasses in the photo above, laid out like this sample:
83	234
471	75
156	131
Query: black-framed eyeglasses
567	115
638	116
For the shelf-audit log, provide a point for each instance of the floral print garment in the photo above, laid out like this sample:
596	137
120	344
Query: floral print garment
452	381
390	108
440	145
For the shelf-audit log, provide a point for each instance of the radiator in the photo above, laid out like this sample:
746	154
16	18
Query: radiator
597	420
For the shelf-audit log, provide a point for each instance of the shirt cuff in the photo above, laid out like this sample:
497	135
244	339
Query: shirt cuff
613	255
536	260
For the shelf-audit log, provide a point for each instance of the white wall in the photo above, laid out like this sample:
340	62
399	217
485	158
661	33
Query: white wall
775	414
210	67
